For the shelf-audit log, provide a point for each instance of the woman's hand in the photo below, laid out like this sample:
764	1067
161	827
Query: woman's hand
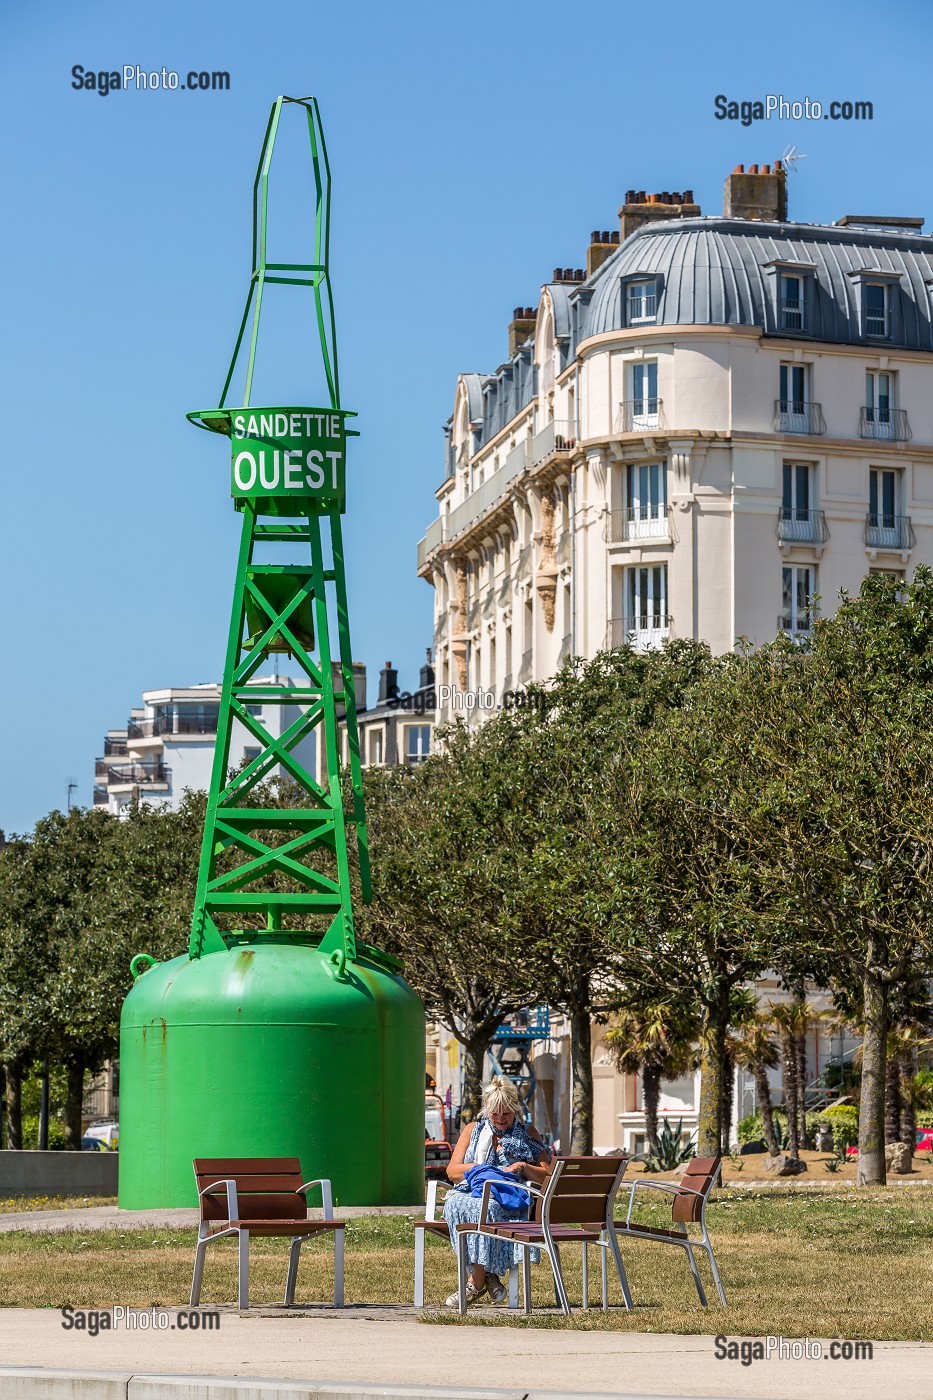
516	1169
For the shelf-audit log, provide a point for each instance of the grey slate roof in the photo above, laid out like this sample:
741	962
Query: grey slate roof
714	272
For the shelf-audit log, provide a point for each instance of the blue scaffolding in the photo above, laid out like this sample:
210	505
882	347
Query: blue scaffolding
511	1046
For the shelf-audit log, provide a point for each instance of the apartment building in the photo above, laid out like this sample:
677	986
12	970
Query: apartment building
167	746
707	432
718	421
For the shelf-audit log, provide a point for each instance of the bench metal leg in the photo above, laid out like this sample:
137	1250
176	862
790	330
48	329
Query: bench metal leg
696	1276
243	1275
461	1272
513	1286
604	1269
716	1279
198	1273
620	1269
338	1268
526	1279
419	1268
586	1278
292	1277
563	1302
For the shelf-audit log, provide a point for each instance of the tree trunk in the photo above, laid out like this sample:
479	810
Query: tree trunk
908	1107
763	1095
14	1107
892	1099
581	1068
789	1060
474	1061
74	1104
871	1163
651	1092
801	1051
712	1072
728	1099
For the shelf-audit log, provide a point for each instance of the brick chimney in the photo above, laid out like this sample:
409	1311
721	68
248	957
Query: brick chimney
521	327
756	193
388	683
640	208
602	246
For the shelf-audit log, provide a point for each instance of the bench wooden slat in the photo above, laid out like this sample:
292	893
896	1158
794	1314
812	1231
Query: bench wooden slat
247	1182
248	1166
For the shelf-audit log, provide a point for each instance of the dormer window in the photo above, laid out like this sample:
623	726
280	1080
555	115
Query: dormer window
877	296
791	302
642	301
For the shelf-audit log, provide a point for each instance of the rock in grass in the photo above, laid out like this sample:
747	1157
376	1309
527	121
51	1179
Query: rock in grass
784	1165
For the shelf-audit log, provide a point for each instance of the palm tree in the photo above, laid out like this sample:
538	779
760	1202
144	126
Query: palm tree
792	1019
657	1041
756	1051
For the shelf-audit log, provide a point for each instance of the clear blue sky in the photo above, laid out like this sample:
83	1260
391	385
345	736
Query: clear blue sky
473	149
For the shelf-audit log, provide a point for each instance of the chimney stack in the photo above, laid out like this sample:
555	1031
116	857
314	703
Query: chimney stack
521	327
602	245
757	193
427	672
640	208
388	683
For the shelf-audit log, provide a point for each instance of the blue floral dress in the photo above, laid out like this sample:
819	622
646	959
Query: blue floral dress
517	1145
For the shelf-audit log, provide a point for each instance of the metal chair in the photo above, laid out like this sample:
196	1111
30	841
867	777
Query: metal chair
430	1225
578	1189
688	1207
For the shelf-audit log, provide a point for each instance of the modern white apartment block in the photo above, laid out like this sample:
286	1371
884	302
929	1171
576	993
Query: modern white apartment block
717	422
168	746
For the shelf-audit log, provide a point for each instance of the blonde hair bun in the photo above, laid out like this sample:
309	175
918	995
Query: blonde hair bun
501	1096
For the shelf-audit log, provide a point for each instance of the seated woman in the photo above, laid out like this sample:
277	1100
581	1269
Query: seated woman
501	1139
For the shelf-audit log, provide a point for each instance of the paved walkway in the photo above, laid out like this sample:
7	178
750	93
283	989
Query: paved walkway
386	1346
112	1218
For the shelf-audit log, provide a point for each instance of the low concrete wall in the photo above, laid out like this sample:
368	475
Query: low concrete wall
58	1173
34	1383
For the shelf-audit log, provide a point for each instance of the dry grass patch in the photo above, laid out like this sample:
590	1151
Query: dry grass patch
12	1205
852	1263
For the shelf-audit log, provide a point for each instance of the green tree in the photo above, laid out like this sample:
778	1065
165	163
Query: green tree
657	1041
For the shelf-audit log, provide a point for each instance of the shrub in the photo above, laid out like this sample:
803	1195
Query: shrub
923	1090
843	1119
31	1132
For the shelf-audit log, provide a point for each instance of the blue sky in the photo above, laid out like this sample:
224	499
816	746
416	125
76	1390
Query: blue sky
473	150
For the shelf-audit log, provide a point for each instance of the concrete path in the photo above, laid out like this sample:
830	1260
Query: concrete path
389	1347
87	1218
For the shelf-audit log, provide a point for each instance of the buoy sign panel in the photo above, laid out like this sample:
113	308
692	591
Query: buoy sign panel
289	452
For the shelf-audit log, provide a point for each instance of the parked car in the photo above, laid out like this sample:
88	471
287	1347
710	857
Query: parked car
923	1142
105	1135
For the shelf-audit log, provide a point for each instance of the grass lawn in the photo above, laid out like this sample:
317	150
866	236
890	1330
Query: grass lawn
11	1205
854	1263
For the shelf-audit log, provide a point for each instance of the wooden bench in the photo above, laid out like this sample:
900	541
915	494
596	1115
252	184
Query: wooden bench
432	1226
687	1207
575	1207
246	1196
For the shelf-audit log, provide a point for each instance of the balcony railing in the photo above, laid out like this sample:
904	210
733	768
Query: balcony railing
170	724
798	416
801	526
639	415
883	531
139	773
553	437
637	523
101	796
643	632
884	424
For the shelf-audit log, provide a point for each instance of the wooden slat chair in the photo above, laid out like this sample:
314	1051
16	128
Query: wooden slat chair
432	1226
261	1196
687	1208
579	1189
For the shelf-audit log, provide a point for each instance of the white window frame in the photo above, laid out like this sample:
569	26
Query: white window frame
876	410
647	416
641	298
374	732
421	753
797	611
885	289
645	591
791	310
646	500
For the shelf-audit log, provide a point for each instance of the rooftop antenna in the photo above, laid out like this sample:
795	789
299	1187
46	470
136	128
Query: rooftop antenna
791	157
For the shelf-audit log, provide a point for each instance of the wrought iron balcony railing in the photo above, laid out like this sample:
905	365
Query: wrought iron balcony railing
798	416
884	424
101	796
139	773
637	415
171	724
884	531
801	526
643	631
637	523
114	747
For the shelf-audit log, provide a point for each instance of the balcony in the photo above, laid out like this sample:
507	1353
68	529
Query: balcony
101	796
554	437
477	504
644	632
126	774
170	724
797	416
115	747
640	415
884	424
801	526
884	531
637	523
